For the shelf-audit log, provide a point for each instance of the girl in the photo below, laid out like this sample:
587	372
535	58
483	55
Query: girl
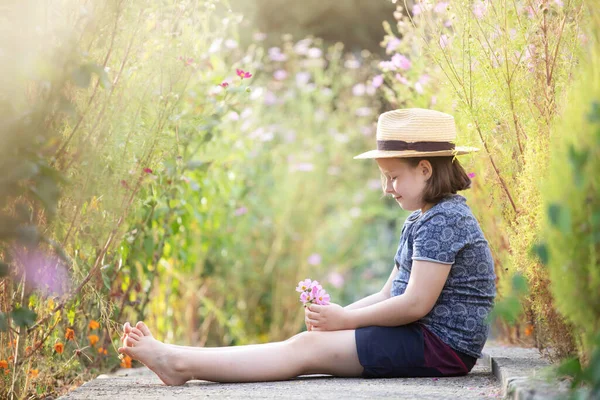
428	320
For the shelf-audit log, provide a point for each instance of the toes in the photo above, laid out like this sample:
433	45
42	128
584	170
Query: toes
126	350
137	332
142	327
127	327
130	341
135	336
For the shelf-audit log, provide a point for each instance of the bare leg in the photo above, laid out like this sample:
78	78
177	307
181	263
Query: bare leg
142	327
315	352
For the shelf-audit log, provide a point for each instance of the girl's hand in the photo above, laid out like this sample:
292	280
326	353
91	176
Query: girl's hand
331	317
308	326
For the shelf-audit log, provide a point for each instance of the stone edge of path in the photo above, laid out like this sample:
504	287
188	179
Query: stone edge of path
522	373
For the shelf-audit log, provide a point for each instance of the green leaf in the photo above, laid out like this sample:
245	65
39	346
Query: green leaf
71	315
23	316
82	76
594	114
102	75
3	322
22	171
541	252
519	284
28	234
3	269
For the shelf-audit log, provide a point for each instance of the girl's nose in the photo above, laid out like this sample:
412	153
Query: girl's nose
389	188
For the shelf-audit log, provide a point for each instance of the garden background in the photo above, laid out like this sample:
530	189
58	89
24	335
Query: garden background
188	162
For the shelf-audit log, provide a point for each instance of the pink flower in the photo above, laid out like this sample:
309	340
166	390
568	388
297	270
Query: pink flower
147	170
303	285
471	175
224	84
312	292
305	297
322	297
242	74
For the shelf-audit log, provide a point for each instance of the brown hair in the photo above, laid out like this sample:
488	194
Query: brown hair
448	177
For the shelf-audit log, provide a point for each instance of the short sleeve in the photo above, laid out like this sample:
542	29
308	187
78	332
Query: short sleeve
440	237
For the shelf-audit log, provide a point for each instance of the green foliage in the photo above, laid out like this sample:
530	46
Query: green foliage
572	204
509	308
585	381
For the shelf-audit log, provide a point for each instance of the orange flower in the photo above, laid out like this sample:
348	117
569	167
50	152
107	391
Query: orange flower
28	349
529	330
93	339
3	364
70	334
14	343
102	350
59	348
126	363
94	324
33	372
10	359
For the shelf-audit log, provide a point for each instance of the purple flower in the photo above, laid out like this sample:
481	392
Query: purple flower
441	7
444	41
377	81
314	259
392	44
302	78
471	175
44	272
276	55
401	61
336	279
280	74
358	89
240	211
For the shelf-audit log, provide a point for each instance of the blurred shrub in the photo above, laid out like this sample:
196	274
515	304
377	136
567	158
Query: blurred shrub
501	69
90	104
570	234
355	23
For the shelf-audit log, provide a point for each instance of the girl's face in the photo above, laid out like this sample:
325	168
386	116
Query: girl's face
404	182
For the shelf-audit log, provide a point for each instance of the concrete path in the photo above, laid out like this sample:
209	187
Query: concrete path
141	383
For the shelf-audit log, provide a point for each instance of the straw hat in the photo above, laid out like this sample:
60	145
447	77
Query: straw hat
415	132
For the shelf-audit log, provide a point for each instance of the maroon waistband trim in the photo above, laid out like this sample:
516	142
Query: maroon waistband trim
401	145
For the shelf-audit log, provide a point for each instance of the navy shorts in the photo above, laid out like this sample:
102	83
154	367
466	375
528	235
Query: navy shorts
408	351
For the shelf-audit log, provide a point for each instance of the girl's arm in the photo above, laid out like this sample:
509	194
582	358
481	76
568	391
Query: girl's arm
425	284
380	296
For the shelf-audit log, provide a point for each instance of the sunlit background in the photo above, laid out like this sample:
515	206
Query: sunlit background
188	162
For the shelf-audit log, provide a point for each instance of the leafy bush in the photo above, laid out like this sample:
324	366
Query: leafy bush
570	235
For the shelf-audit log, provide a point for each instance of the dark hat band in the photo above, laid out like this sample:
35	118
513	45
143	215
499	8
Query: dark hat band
401	145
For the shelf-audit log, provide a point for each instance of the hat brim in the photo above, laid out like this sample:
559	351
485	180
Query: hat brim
458	151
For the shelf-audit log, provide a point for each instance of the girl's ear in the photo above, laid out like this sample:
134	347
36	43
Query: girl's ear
425	169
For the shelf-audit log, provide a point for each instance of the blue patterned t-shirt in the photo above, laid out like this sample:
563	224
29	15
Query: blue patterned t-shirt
448	233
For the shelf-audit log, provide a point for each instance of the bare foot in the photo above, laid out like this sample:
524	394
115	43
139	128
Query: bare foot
139	344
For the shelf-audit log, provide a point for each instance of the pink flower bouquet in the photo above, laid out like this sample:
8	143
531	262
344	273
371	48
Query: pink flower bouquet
312	293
